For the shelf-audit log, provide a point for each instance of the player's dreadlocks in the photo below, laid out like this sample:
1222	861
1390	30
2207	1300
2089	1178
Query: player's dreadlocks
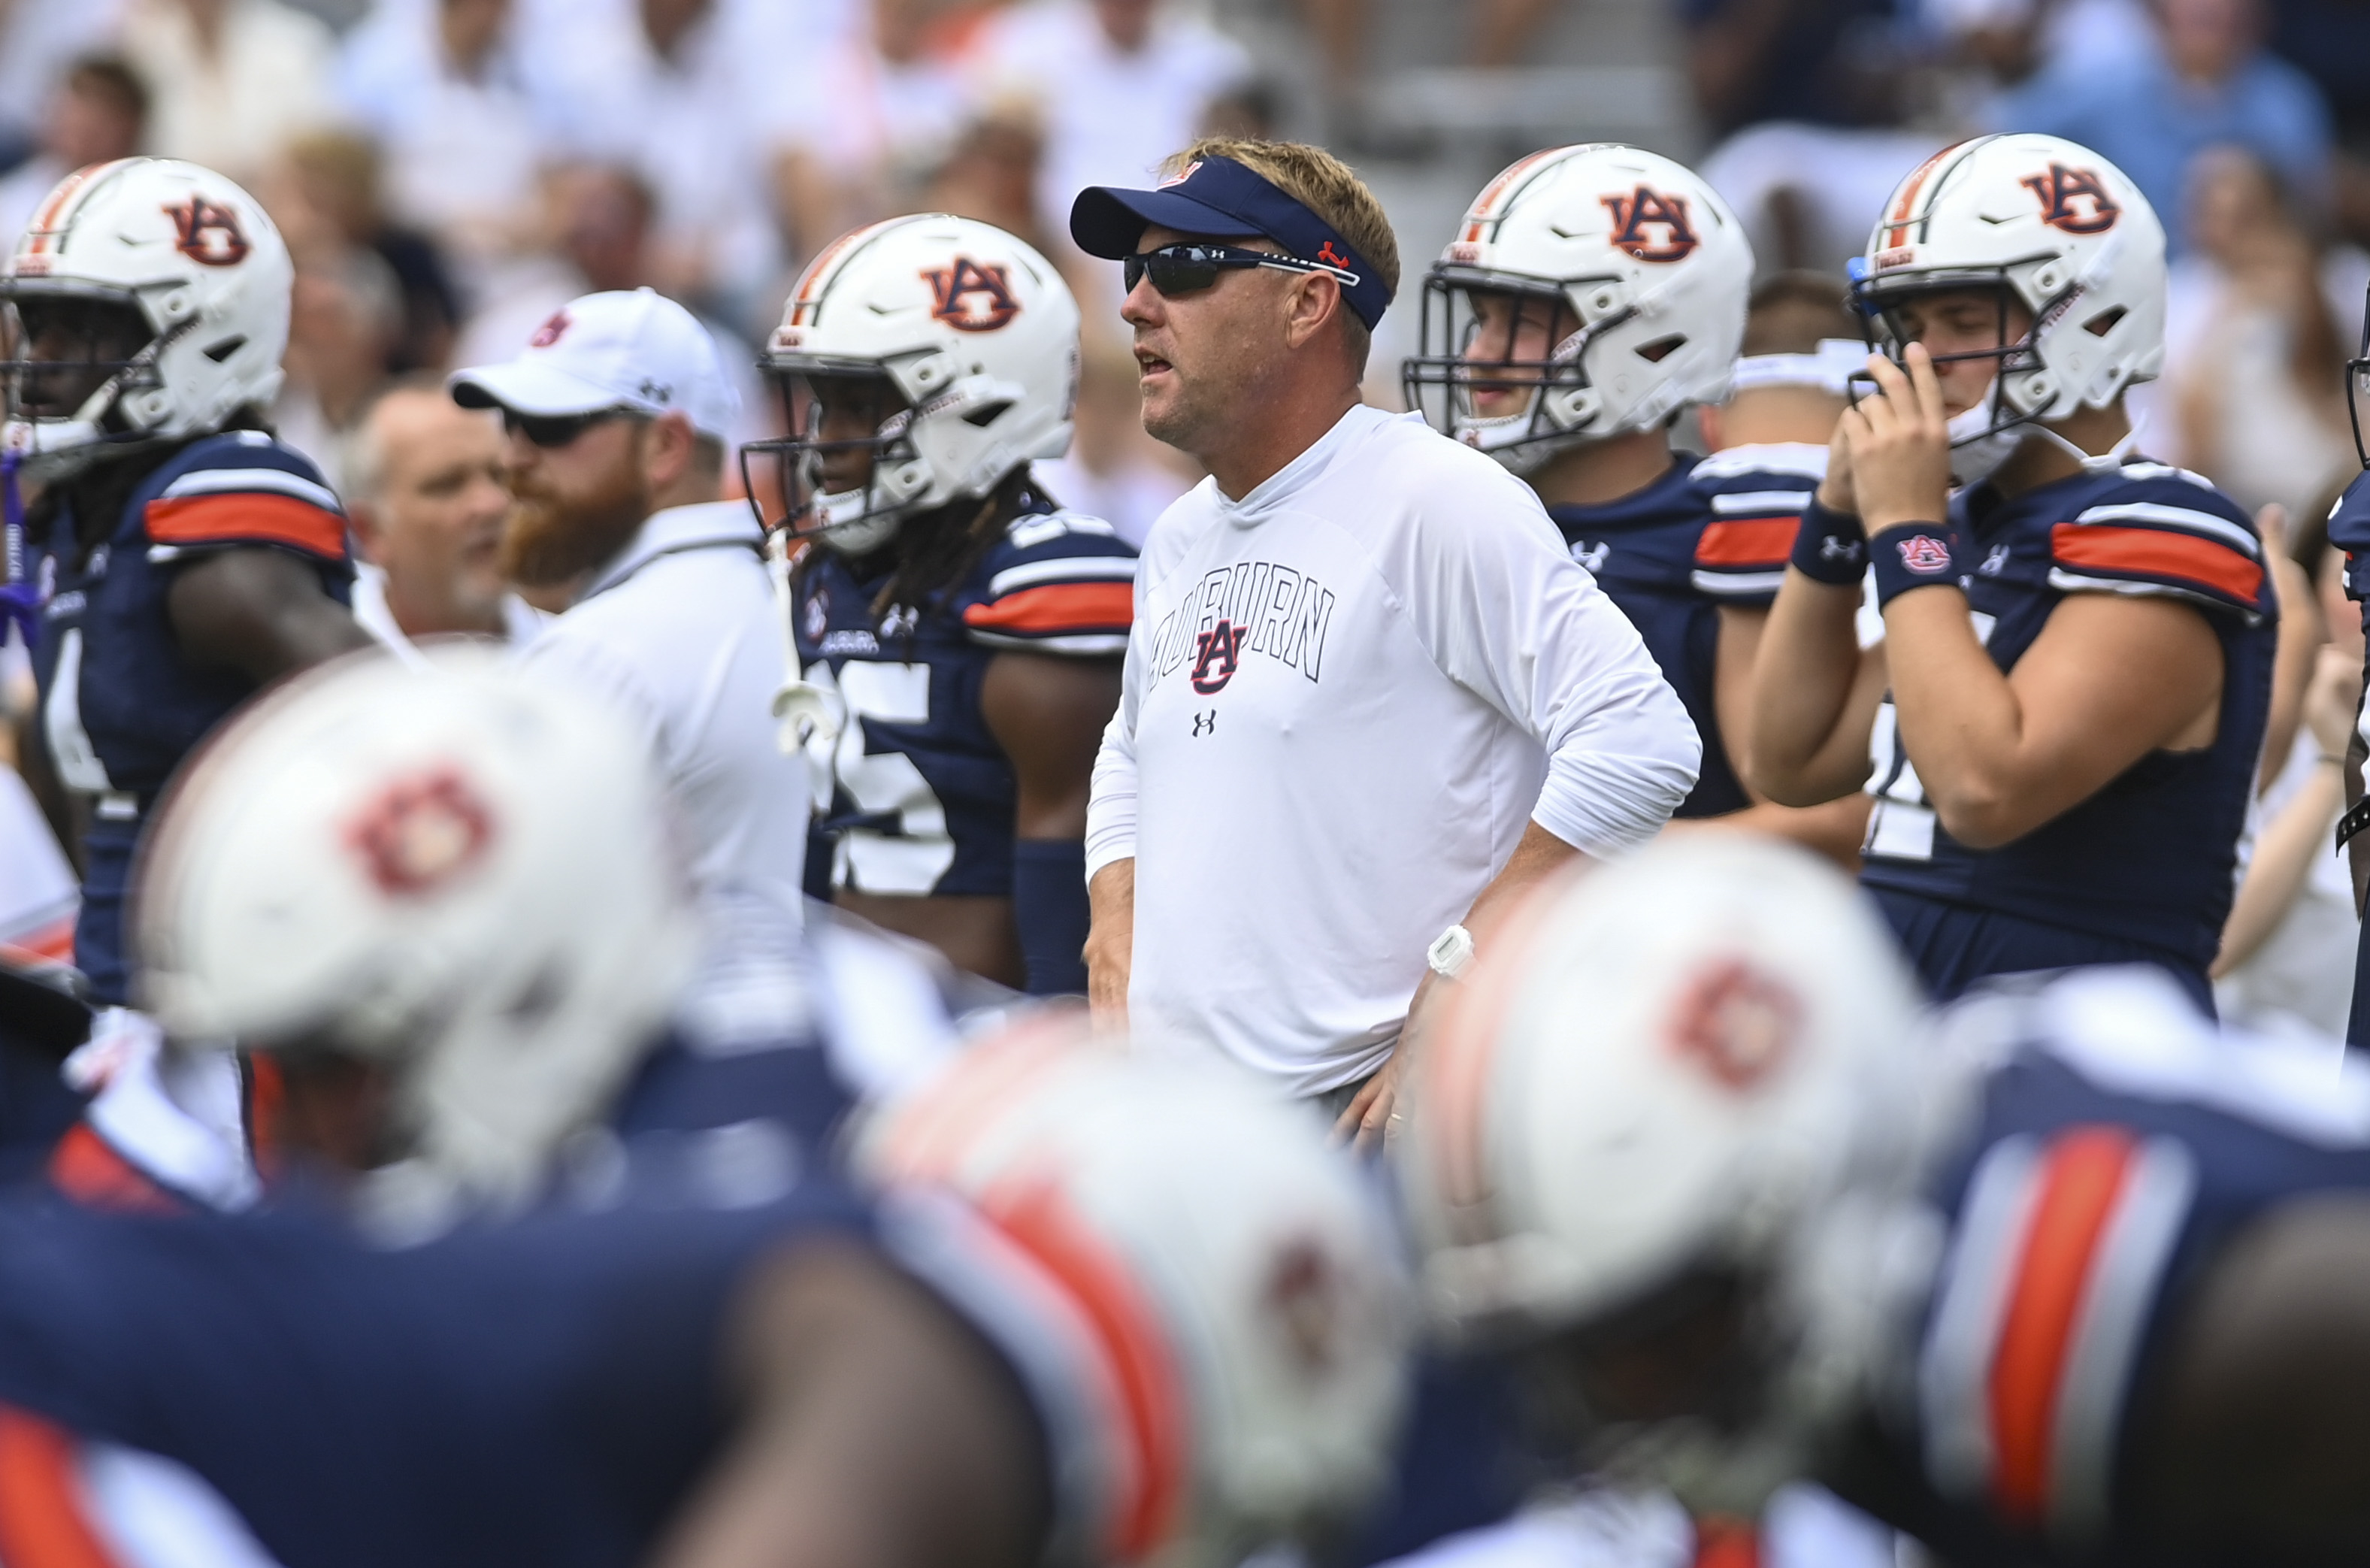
934	551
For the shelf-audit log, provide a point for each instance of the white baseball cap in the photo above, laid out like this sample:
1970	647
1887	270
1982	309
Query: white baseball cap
615	350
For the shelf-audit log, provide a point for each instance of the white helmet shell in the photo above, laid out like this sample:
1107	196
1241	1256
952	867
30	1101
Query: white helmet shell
2061	228
1691	1059
1236	1303
1652	267
207	269
979	335
390	861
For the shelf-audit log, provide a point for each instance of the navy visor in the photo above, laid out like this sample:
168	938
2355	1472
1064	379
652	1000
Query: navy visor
1216	198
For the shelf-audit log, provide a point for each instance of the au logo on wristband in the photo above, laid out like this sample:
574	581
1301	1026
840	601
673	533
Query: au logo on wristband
1925	555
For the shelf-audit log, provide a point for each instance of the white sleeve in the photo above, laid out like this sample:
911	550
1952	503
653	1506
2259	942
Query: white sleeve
1110	800
566	655
1509	615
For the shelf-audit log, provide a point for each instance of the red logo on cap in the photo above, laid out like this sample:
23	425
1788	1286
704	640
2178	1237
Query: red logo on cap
1327	254
548	333
1181	177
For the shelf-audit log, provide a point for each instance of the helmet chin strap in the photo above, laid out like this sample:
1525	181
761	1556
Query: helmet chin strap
2105	462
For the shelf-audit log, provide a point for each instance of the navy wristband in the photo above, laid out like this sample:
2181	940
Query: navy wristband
1049	906
1915	555
1829	546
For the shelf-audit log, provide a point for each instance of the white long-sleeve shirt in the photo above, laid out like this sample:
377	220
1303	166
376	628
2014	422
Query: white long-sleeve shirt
1345	695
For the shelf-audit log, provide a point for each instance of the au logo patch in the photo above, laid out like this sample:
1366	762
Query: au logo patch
1925	554
553	327
1215	653
1736	1024
210	233
973	296
2074	200
1651	226
420	833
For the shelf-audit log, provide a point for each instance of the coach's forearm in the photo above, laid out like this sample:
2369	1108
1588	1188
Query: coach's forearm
1110	940
1539	854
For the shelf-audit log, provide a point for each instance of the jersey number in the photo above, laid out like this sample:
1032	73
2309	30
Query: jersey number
911	856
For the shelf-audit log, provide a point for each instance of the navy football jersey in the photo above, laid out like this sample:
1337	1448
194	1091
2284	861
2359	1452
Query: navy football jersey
922	795
2349	530
121	705
2119	1144
1711	532
2150	859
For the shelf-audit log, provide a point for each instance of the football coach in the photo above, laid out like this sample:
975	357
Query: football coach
1368	696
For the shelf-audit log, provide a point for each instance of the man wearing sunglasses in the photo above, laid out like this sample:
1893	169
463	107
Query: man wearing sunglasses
615	414
1368	695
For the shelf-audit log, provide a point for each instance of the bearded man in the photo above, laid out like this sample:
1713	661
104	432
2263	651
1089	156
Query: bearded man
615	416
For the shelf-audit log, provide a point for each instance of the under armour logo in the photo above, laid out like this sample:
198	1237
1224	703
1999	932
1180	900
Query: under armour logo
1330	257
1995	562
1591	556
1834	548
1205	723
1214	653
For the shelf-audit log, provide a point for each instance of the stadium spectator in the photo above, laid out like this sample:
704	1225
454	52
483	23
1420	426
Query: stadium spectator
1120	85
887	106
327	183
1342	27
99	112
230	80
345	316
447	92
991	172
617	413
39	40
2037	805
426	496
2208	82
2253	353
1417	701
601	218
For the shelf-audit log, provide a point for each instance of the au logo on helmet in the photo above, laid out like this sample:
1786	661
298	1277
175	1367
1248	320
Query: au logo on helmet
973	296
419	833
210	233
1646	209
2074	200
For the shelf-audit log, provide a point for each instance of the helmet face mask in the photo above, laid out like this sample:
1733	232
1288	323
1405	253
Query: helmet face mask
839	474
1503	365
2357	386
1989	428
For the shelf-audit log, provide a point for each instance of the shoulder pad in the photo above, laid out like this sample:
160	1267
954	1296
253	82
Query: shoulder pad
1057	582
242	488
1754	512
2158	532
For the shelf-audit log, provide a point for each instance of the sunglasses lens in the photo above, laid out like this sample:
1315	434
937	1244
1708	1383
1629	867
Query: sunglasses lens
549	429
1181	271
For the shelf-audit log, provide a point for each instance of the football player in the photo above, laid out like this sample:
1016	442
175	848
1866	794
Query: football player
1592	296
2349	530
375	882
2071	1276
181	556
1101	1309
960	632
2079	647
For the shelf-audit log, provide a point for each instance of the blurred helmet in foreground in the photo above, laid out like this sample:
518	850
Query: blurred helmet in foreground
961	344
1631	275
150	299
1673	1099
1232	1309
454	870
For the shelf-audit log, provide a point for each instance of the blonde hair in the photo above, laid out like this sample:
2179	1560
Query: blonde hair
1327	187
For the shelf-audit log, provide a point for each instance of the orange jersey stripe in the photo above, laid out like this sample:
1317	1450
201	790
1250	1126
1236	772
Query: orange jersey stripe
51	943
2081	1178
86	1167
41	1521
1727	1543
1059	607
247	515
2159	552
1748	541
263	1090
1038	1219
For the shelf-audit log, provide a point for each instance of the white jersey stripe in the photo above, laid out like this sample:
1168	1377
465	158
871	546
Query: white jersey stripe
1954	1371
230	481
1761	501
1066	568
2150	511
1737	582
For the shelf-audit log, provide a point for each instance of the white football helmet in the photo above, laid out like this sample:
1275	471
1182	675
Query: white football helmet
2050	223
169	285
969	340
450	868
1216	1299
1640	273
1700	1063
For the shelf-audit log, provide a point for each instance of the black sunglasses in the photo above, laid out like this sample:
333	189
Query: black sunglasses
553	431
1185	269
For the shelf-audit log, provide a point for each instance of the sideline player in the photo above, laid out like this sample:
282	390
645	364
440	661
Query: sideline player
375	882
2077	1277
2079	647
962	629
1105	1310
1368	694
1592	296
183	558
